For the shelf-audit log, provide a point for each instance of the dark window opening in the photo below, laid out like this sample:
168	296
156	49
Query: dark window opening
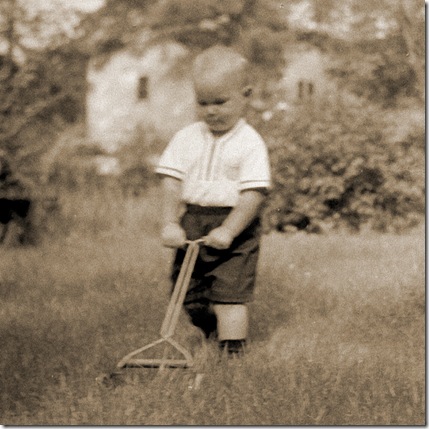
305	90
143	92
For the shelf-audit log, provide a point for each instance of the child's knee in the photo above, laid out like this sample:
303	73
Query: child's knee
232	321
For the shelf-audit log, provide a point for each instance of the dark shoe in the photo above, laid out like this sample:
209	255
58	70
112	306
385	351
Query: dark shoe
234	348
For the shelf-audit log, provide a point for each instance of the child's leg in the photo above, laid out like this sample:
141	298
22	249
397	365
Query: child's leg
232	287
233	321
233	326
202	316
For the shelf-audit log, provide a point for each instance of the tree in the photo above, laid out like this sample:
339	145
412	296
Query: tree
403	23
39	94
410	16
254	26
377	47
35	83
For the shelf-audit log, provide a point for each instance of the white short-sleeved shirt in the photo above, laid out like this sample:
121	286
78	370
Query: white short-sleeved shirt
215	170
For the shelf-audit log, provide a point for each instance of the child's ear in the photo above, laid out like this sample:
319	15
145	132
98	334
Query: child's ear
247	91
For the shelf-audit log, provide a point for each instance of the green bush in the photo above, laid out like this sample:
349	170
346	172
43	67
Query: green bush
333	165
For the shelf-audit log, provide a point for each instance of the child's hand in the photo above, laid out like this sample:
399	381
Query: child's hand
173	235
219	238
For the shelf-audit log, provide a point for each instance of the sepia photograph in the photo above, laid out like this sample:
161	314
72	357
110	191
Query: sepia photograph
212	213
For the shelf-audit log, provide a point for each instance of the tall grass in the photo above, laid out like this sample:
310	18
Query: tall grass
337	329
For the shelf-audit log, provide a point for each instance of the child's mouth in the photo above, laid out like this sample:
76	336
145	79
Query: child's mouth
214	122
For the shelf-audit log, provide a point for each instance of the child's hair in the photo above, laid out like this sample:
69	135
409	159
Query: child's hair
220	62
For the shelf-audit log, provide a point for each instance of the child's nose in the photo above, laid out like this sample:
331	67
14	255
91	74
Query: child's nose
211	109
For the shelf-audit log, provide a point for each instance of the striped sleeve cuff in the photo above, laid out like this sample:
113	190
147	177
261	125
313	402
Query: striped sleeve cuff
168	171
253	184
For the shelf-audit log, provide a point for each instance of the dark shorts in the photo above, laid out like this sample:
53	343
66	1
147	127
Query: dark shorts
224	276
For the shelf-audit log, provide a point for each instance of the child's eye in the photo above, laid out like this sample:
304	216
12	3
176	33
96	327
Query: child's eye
217	102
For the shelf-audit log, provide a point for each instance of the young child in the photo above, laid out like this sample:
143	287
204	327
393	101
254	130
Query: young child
215	176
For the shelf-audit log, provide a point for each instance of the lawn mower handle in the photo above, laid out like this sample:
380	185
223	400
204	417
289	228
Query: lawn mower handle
198	241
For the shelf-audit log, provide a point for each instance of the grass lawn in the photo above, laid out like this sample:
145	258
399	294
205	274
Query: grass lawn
337	332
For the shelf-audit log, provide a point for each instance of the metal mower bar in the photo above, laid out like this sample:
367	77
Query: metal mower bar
169	323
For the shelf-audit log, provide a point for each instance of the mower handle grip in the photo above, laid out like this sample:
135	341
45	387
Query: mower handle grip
198	241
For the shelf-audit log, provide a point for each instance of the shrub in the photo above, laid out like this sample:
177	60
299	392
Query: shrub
333	165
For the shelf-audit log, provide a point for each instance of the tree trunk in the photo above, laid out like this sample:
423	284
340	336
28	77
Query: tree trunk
413	32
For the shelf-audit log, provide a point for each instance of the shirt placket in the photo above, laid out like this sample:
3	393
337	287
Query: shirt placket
214	159
209	158
205	156
213	153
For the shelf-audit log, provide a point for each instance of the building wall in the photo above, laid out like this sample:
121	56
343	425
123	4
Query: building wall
115	112
307	65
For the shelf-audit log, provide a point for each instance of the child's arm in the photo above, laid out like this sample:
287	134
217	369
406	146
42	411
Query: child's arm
172	234
240	217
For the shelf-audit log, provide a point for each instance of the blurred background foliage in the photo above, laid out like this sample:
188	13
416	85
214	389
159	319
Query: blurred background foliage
334	165
353	159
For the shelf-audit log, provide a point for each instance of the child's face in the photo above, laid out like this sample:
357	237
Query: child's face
220	103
